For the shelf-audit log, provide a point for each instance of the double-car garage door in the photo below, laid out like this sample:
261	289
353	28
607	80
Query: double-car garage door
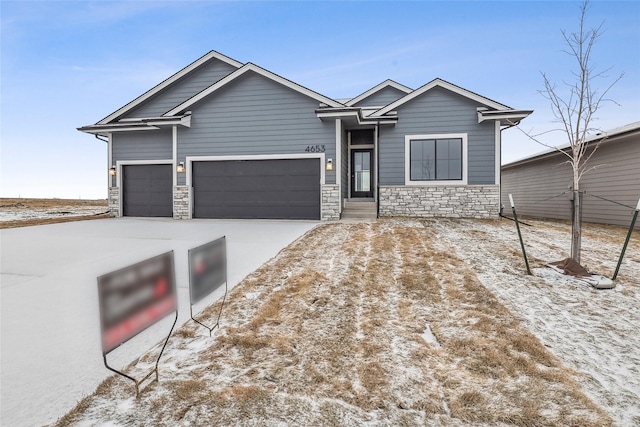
272	189
269	189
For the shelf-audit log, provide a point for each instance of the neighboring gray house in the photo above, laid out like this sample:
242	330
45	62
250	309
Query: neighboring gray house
222	139
535	181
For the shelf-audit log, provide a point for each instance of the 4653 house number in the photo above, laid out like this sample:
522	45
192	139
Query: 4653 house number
314	149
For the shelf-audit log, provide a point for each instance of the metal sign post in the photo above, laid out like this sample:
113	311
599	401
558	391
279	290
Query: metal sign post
515	218
626	242
131	300
207	272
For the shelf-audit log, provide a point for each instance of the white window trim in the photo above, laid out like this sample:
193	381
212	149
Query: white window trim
407	159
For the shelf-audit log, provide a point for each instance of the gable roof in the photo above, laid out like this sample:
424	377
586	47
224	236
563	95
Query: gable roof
177	76
445	85
256	69
377	88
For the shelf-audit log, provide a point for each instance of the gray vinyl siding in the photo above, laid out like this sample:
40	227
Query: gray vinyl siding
381	98
183	89
254	115
142	145
617	178
435	112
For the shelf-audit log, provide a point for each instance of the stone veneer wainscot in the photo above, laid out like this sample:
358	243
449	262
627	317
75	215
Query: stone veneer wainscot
114	201
330	203
464	201
181	202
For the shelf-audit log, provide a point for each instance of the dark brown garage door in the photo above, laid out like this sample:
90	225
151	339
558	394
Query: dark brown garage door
147	190
271	189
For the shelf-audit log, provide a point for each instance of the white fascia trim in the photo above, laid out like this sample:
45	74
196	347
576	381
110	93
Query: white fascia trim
259	70
445	85
358	116
407	159
190	159
378	88
177	76
106	129
513	116
121	163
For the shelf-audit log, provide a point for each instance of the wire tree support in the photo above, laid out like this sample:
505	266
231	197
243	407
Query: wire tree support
626	242
515	218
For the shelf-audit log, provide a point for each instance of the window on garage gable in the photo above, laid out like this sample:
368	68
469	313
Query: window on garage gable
435	159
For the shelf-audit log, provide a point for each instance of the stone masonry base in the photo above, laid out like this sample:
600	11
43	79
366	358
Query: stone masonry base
181	202
330	209
463	201
114	201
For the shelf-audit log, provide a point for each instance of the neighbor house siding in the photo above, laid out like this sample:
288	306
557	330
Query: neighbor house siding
254	115
439	111
616	178
142	145
381	98
182	90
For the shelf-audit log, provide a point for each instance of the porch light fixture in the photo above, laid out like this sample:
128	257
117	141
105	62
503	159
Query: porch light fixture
180	167
112	171
329	166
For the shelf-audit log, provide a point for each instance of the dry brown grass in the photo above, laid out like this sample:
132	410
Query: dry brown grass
333	338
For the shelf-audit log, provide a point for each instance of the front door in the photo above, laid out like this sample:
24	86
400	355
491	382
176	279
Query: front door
362	173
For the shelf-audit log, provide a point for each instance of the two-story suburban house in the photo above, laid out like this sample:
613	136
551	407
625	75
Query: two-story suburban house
223	139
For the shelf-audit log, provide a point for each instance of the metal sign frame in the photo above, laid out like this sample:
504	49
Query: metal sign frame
105	352
192	254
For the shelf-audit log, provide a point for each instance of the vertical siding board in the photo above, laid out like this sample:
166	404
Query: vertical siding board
183	89
381	98
254	115
617	178
439	111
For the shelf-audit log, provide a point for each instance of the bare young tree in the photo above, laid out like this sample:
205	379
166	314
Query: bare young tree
574	105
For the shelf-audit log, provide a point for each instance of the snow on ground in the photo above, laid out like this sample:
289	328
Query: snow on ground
595	332
402	322
21	211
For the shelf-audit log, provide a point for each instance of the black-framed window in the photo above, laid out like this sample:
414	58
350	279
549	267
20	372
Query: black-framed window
436	159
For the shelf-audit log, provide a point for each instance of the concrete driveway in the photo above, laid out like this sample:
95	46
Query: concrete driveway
50	342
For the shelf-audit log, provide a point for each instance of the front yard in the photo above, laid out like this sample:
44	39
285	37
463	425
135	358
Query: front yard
404	322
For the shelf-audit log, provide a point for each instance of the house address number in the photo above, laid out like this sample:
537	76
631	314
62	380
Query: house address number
314	149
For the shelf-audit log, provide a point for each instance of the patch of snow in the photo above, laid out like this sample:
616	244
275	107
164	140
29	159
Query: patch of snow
429	338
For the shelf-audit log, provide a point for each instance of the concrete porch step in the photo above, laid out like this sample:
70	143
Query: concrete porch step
359	209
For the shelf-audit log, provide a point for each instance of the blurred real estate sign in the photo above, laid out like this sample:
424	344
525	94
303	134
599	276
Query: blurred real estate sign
135	297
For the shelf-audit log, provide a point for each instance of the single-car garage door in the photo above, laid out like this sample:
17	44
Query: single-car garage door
270	189
147	190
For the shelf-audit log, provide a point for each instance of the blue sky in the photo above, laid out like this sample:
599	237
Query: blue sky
68	64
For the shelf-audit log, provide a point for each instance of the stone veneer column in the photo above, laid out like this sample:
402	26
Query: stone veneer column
464	201
181	202
330	209
114	201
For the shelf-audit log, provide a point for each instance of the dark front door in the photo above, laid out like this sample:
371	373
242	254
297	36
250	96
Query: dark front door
362	173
